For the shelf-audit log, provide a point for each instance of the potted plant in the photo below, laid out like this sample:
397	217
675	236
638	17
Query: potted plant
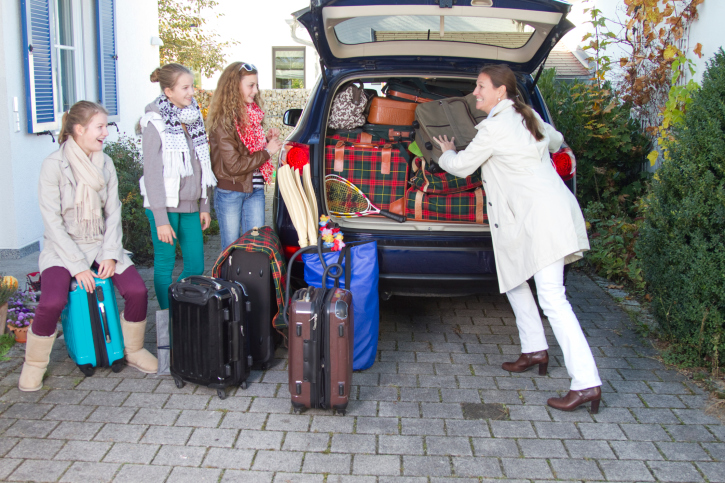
21	312
8	288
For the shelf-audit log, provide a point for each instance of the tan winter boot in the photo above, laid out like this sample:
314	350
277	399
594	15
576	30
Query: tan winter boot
37	356
136	355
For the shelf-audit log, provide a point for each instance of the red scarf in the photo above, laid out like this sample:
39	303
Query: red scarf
254	139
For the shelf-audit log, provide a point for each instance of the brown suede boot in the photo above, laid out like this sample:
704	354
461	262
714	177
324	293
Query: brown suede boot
136	355
527	360
574	399
37	356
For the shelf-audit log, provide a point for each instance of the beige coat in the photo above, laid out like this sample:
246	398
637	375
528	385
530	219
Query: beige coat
62	244
535	220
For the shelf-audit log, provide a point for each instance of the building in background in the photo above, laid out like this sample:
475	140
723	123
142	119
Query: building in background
54	53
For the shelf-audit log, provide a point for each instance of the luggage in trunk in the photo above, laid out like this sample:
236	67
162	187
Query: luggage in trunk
208	333
454	117
441	183
465	207
388	111
321	332
92	327
417	90
379	170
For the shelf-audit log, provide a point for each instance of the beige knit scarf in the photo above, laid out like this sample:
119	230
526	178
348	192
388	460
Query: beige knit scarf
88	173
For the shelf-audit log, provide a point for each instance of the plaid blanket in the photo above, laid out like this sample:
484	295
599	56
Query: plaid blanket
441	183
265	241
380	171
466	207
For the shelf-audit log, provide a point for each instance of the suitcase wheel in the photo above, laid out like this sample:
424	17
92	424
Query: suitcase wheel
87	370
298	410
265	366
179	383
243	385
117	365
221	393
341	411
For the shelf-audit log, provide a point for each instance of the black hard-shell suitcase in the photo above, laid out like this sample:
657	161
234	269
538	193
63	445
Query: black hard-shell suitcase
208	326
321	331
252	270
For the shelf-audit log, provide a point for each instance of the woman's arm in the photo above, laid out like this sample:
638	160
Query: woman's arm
49	196
153	174
232	156
466	162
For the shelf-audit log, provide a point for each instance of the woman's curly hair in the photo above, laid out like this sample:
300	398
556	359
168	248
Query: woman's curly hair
227	103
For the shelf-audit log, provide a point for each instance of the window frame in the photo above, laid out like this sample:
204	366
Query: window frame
297	48
76	7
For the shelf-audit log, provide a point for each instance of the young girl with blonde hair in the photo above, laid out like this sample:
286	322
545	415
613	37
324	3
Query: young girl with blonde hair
240	151
78	199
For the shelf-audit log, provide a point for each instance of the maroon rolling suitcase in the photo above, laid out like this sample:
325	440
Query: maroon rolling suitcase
320	354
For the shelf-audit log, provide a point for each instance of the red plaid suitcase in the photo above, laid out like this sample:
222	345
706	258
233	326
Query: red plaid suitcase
441	183
379	170
466	207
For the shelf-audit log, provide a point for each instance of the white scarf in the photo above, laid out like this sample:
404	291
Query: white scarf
88	173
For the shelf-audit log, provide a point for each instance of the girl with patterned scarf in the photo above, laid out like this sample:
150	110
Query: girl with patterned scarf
177	178
240	151
78	200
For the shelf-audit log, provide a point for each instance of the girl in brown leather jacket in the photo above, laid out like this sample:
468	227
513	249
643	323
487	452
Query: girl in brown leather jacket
240	151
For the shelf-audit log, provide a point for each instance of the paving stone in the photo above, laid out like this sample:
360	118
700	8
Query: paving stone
173	455
330	424
601	431
306	442
589	449
32	448
326	463
64	396
367	425
529	413
103	398
7	466
69	413
237	476
399	409
39	470
526	468
166	435
213	437
364	464
6	444
412	426
636	450
684	452
442	410
533	448
353	443
249	439
397	380
83	472
614	415
656	416
645	432
504	397
137	385
695	416
111	415
31	428
475	467
714	472
512	429
137	473
495	447
243	420
26	411
194	475
689	433
400	445
131	453
271	405
426	466
448	446
282	477
159	417
15	395
141	400
615	470
278	461
670	471
228	458
121	433
98	384
576	470
457	427
662	401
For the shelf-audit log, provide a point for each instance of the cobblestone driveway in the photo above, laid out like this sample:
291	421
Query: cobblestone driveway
406	423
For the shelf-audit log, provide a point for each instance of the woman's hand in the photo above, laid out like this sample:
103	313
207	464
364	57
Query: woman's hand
272	133
205	220
445	144
273	146
86	280
166	234
107	268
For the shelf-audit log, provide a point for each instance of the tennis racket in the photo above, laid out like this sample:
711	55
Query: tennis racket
345	200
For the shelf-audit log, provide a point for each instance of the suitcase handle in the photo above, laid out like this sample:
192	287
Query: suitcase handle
204	281
194	294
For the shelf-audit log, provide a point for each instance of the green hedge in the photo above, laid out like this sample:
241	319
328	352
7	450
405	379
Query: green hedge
682	242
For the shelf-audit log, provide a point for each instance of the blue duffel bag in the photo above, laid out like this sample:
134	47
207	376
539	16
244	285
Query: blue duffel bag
359	261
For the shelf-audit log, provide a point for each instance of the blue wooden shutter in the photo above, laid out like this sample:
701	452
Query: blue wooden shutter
38	39
107	58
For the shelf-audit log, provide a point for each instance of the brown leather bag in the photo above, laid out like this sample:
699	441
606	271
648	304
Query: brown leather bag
388	111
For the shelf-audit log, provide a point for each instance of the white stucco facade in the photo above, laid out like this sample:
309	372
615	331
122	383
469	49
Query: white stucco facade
22	153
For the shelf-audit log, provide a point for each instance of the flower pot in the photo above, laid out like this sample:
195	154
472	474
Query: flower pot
21	334
3	317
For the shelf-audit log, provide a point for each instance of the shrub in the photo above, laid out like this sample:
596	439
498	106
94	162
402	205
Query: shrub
682	242
136	232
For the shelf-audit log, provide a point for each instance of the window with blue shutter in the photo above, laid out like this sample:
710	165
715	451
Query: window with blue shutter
38	35
107	58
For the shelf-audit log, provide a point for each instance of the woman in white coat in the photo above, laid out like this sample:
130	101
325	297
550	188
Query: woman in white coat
536	225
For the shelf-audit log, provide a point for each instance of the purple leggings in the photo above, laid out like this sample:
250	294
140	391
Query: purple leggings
54	286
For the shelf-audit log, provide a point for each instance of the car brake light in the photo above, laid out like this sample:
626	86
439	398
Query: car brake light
296	155
565	163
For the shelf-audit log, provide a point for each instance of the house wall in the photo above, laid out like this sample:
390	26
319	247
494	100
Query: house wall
23	153
258	28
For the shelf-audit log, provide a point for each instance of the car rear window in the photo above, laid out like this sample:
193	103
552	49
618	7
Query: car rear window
505	33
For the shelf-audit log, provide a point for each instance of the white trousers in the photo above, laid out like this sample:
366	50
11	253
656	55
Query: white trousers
552	297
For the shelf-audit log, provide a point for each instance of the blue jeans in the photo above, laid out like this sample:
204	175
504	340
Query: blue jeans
238	212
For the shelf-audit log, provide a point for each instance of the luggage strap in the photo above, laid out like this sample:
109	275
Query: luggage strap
479	206
410	97
419	205
386	152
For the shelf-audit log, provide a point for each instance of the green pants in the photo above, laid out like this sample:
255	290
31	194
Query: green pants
187	227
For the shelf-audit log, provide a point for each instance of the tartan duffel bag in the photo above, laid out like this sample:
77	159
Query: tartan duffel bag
441	183
379	170
465	207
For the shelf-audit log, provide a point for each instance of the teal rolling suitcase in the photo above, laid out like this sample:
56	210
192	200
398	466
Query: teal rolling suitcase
92	327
